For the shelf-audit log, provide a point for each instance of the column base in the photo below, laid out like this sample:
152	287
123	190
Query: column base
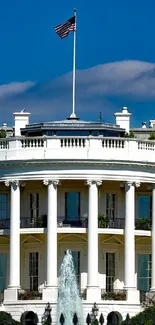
50	294
93	293
133	296
11	293
152	289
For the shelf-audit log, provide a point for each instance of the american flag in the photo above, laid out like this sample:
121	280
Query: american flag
64	29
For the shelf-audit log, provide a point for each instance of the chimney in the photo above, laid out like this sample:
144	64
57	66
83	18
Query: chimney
143	125
21	120
123	119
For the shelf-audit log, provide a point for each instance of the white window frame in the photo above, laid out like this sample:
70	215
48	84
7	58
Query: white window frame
25	273
116	204
141	251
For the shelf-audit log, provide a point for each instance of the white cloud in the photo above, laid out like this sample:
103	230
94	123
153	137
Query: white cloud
15	88
96	89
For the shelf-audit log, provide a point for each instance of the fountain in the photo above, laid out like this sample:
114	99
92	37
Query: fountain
69	301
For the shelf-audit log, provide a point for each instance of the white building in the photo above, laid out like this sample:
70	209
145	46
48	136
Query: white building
95	189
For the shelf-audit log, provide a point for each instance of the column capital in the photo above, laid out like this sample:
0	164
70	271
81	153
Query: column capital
89	182
131	183
12	182
47	182
137	184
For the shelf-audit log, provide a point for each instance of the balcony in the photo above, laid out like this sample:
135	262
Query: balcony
103	223
80	148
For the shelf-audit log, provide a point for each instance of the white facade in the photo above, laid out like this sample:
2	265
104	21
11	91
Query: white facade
52	190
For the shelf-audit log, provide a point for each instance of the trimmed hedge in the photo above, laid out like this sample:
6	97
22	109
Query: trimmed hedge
145	317
6	318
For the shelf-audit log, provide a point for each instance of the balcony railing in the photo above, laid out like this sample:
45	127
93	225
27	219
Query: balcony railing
117	223
64	222
109	148
28	222
5	223
41	222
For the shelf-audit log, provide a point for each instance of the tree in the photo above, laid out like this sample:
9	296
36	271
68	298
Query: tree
152	136
2	133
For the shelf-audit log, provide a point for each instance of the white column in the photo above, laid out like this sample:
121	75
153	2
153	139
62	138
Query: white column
14	280
51	280
93	291
129	241
153	240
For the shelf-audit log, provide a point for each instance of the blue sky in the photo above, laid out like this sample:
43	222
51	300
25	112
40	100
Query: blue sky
115	59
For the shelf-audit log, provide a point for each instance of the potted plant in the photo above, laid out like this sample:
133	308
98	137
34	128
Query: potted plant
114	295
143	223
103	221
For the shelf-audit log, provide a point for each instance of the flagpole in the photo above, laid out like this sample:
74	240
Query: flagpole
73	115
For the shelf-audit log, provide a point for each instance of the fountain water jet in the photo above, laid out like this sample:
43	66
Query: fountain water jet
69	301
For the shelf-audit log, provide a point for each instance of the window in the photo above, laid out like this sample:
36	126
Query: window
3	260
3	206
72	206
111	206
144	206
76	260
33	270
34	206
144	272
110	271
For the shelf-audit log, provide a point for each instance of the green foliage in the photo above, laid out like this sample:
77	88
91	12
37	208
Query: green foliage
2	133
94	322
6	318
143	223
120	295
102	221
29	295
42	221
147	315
152	136
83	295
129	135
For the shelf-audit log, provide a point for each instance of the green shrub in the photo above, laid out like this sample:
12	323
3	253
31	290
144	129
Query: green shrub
94	322
102	221
144	317
152	136
129	135
143	223
120	295
2	133
6	318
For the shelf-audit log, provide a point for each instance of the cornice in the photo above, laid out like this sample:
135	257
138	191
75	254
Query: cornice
133	179
40	162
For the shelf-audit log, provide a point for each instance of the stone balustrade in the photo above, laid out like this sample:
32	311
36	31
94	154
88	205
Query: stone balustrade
125	149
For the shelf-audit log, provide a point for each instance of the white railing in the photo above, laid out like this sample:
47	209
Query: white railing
3	144
73	142
113	143
32	143
99	148
143	145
